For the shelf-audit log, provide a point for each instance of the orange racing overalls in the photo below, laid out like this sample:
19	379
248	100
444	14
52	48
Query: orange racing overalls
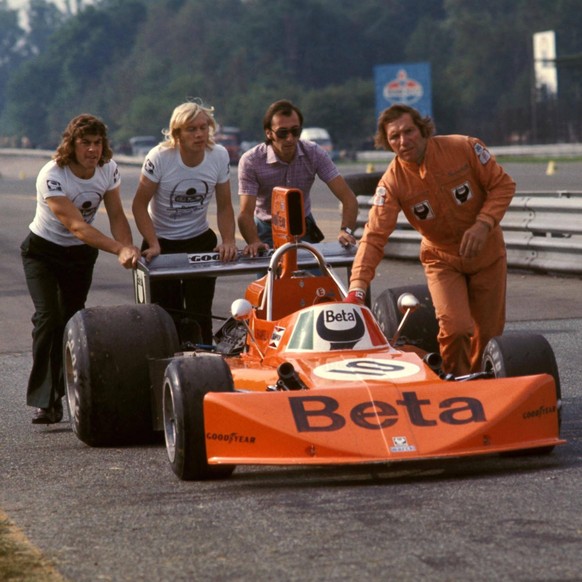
458	182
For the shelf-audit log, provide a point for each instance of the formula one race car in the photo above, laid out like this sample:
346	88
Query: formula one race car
297	375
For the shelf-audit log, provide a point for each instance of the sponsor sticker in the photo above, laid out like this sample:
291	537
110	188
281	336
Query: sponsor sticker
401	445
276	336
539	412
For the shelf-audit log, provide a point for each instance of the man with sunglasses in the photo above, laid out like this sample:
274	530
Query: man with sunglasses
286	161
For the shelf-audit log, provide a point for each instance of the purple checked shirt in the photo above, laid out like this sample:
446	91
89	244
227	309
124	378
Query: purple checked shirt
260	170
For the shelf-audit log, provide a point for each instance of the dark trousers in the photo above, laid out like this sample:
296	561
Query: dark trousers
190	298
58	280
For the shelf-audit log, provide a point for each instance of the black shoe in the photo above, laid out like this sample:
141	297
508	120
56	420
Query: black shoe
42	416
58	410
50	415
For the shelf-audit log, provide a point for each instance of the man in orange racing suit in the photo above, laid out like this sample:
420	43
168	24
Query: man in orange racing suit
453	192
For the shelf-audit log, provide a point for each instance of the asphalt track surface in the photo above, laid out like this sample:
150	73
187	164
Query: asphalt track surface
119	514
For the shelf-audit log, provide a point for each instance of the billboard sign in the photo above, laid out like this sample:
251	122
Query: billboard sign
405	83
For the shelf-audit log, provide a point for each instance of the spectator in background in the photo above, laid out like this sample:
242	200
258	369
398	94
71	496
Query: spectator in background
286	161
454	194
60	251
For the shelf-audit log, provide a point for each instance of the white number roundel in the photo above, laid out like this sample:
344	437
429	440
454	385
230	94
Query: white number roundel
366	369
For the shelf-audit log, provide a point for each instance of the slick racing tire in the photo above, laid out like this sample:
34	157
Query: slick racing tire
106	353
421	329
364	184
186	381
523	354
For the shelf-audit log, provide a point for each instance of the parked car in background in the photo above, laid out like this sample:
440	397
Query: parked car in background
230	138
321	137
142	144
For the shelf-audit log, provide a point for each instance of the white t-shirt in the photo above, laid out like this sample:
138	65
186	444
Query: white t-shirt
86	195
179	208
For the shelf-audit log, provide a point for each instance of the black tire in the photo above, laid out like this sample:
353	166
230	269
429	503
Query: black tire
523	354
363	184
106	353
186	382
421	328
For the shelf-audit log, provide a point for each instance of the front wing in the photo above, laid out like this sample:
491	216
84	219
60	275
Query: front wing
381	423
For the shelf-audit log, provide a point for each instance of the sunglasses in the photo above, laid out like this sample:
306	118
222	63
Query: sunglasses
283	133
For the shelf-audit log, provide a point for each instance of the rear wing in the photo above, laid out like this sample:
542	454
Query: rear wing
188	266
288	225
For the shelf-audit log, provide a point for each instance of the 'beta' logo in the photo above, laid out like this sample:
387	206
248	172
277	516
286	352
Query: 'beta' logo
320	413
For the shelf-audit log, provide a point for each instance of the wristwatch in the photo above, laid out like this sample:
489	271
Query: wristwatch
348	230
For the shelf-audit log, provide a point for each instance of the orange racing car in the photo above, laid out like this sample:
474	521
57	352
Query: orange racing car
297	376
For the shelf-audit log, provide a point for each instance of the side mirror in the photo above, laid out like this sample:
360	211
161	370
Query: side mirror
241	309
408	302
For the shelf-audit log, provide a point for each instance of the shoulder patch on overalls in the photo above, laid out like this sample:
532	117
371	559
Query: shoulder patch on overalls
379	196
482	153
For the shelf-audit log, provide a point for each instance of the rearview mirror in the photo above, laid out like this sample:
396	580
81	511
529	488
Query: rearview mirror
241	309
407	301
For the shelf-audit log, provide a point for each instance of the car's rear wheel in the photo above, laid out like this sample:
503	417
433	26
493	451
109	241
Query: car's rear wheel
106	352
421	328
523	354
186	381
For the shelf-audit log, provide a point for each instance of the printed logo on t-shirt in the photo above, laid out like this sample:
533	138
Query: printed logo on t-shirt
462	193
148	166
88	204
54	186
189	195
423	210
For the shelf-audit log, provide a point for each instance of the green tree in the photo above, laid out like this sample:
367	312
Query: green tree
132	61
12	53
44	18
71	75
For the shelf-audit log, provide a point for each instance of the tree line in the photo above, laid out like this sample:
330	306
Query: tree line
132	61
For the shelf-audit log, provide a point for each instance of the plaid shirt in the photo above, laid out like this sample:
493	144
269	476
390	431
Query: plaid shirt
260	170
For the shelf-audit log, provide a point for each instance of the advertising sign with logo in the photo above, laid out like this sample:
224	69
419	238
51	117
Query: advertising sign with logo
405	83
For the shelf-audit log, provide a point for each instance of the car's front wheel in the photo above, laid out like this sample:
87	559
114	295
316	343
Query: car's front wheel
523	354
186	381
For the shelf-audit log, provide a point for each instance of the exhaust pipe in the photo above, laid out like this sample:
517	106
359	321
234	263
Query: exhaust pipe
288	378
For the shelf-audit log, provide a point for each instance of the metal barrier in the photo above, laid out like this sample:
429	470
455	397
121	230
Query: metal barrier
542	230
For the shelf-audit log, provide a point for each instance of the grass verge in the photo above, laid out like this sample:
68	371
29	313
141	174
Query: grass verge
20	561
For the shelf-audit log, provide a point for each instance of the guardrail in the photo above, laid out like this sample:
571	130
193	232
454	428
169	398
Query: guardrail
542	230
